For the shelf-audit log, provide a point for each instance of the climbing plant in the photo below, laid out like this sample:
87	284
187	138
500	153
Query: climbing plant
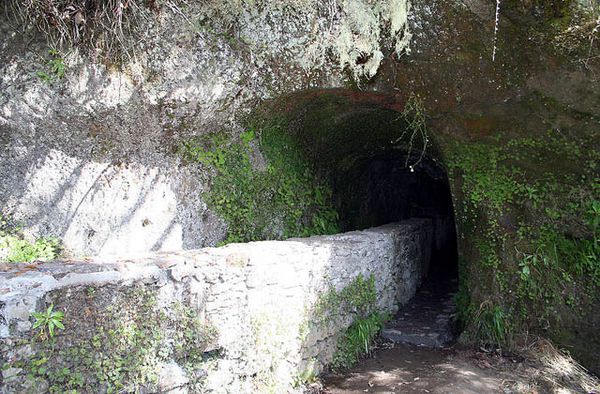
534	232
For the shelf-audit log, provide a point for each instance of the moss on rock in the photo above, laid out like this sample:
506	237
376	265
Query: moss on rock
114	341
528	217
526	205
277	199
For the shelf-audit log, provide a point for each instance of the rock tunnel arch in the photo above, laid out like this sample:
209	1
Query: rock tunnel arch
241	290
379	168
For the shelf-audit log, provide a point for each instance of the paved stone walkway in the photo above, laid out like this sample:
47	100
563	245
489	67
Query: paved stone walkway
428	319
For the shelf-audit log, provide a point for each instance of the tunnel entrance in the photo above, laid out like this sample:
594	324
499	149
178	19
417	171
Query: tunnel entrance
383	190
381	171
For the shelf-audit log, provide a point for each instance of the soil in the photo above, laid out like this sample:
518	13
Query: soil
411	369
417	353
403	368
413	354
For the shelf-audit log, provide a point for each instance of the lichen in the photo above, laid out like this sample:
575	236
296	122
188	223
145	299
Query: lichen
353	31
271	333
358	44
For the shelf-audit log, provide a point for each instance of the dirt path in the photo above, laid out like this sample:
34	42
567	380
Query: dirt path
411	369
413	355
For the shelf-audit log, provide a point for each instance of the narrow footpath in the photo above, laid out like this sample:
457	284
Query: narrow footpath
417	353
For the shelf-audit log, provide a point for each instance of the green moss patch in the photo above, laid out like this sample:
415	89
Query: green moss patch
281	199
115	342
358	299
528	212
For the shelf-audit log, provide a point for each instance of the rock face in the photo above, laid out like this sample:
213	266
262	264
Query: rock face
89	157
242	318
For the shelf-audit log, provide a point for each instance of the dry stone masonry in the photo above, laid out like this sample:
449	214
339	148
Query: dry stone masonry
241	318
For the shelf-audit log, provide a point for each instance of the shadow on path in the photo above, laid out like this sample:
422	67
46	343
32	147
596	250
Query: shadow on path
429	318
412	369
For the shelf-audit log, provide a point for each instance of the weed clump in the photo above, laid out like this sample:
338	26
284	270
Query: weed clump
15	248
358	340
358	298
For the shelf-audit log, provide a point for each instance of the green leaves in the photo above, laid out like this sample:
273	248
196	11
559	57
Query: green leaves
283	200
358	340
20	250
593	215
493	324
17	249
530	208
55	68
47	322
247	136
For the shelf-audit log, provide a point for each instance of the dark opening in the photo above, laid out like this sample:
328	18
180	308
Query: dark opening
379	170
382	171
382	189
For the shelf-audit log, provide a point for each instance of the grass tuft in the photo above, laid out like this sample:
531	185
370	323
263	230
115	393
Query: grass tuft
108	28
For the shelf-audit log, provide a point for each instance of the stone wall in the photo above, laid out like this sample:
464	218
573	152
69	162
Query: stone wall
243	318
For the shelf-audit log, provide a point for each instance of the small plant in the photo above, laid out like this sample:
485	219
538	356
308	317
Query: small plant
55	68
358	297
493	324
358	340
14	248
47	322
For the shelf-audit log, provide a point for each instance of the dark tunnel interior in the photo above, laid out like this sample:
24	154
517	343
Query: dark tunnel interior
379	172
382	189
